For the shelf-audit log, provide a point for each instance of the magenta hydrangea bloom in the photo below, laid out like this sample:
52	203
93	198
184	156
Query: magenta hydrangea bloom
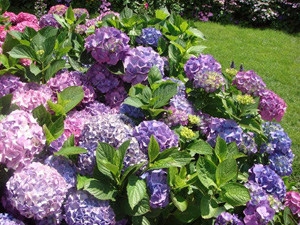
48	20
209	81
83	208
165	137
32	95
292	200
12	17
115	97
227	218
21	138
177	117
25	62
138	63
22	16
202	64
6	219
9	84
249	82
100	77
149	36
58	9
107	45
78	12
37	191
271	106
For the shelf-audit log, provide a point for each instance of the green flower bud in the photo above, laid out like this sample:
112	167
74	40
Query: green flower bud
245	99
194	120
187	133
232	72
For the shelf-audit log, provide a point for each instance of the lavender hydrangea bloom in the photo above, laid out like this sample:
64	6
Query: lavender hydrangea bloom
249	82
48	20
165	137
65	168
268	180
180	86
227	218
116	97
78	12
248	145
177	117
202	64
281	164
58	9
227	129
107	45
57	144
99	76
21	138
205	120
54	219
157	183
37	191
181	103
271	106
97	108
139	62
83	208
6	219
131	111
149	36
209	81
260	214
292	200
9	84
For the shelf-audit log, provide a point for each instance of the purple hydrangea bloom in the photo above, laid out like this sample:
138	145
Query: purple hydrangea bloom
58	9
131	111
21	138
165	137
180	86
6	219
65	168
149	36
227	129
249	82
260	214
108	45
9	84
102	15
248	145
177	117
159	189
97	108
54	219
271	106
209	81
81	29
181	103
278	140
78	12
227	218
202	64
270	181
115	97
57	144
37	191
138	63
83	208
281	164
100	77
292	200
48	20
205	120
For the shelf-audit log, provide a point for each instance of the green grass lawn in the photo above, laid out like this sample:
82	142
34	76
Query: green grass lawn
274	55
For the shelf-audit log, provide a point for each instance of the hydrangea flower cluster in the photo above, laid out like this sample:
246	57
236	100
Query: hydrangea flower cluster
149	36
245	99
281	164
177	117
159	189
248	145
78	12
21	138
260	214
249	82
203	125
115	97
202	64
107	45
271	106
227	129
209	81
58	9
7	219
54	219
48	20
165	137
22	16
37	191
227	218
131	111
82	208
9	84
138	63
12	17
181	103
96	108
292	200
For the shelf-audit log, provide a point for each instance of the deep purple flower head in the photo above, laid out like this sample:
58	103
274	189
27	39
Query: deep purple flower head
278	140
9	84
48	20
249	82
54	219
6	219
260	214
22	16
202	64
139	62
97	108
270	181
227	218
83	208
181	103
159	189
21	138
248	145
78	12
227	129
165	137
209	81
115	97
37	191
177	117
58	9
108	45
281	164
100	77
131	111
257	193
271	106
292	200
149	36
180	86
205	120
65	168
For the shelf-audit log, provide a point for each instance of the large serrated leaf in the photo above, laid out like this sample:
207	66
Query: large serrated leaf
226	171
235	194
206	170
153	149
136	190
23	52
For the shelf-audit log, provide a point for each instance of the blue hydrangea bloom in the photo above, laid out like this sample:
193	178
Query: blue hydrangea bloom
181	103
149	36
281	164
131	111
6	219
248	145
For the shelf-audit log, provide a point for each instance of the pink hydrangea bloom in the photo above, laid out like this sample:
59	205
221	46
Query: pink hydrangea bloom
21	26
22	16
25	62
12	16
292	200
58	9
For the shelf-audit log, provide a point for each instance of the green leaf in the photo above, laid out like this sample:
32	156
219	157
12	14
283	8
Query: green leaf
23	52
179	201
42	115
136	190
153	149
126	13
130	170
172	172
54	130
4	61
117	69
73	95
70	142
162	14
4	5
9	43
221	149
140	220
70	151
5	103
140	209
226	171
196	50
165	92
206	171
195	32
121	152
210	208
200	147
232	150
154	75
48	47
58	109
81	180
181	49
105	154
55	66
147	94
70	18
133	101
189	215
235	194
161	45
